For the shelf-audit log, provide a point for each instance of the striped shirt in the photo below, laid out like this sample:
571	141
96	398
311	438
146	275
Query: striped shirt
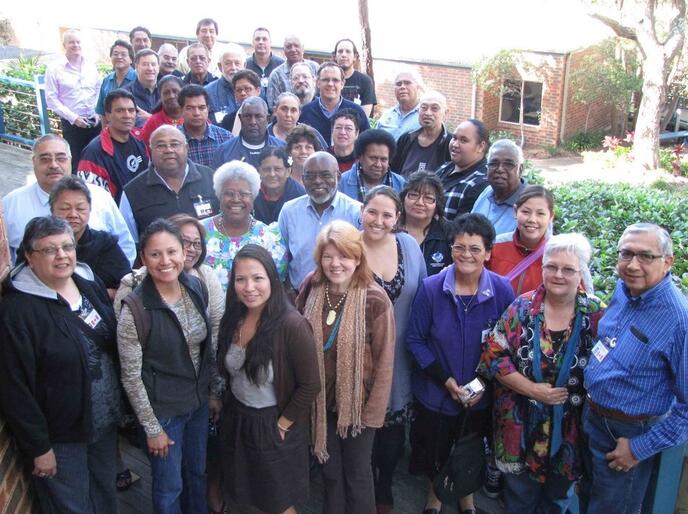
461	189
201	151
645	372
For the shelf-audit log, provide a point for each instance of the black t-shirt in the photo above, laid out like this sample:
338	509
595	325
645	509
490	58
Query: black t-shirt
359	88
421	158
133	161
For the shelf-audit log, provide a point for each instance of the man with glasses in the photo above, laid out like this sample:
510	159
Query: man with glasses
198	59
279	81
403	117
319	112
497	201
206	34
169	56
302	82
301	219
637	377
172	184
52	161
252	138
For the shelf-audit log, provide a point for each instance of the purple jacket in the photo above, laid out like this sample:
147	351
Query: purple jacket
447	342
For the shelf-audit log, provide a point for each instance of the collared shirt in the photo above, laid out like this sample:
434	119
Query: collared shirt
202	151
146	99
72	92
237	149
110	83
644	371
190	78
300	224
327	112
222	99
279	81
396	123
351	185
27	202
313	114
462	188
264	73
501	214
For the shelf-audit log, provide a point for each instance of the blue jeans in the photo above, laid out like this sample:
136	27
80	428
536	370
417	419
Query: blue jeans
179	479
524	495
620	492
85	479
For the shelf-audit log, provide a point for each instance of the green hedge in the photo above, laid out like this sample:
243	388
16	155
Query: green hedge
602	211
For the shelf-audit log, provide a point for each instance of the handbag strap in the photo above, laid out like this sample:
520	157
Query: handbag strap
525	263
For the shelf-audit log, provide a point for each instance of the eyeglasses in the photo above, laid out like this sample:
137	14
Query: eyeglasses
461	249
198	58
47	159
566	271
245	90
235	195
330	80
414	197
51	251
505	165
312	175
174	145
196	245
643	257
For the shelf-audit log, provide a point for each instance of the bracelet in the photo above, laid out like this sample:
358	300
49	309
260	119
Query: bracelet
282	428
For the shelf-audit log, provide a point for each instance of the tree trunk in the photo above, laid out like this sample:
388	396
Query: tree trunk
365	37
669	110
646	138
520	113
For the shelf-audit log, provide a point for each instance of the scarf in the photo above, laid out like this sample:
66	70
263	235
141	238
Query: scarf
350	393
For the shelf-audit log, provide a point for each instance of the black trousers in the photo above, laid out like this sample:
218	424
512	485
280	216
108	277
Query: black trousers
78	138
347	474
388	448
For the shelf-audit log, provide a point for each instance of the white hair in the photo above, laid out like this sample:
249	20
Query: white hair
506	144
666	245
236	170
433	96
576	244
233	49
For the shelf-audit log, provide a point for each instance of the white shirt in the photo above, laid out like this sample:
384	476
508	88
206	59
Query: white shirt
27	202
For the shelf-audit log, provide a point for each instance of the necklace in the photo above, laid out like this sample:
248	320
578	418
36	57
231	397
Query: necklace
467	305
332	313
220	224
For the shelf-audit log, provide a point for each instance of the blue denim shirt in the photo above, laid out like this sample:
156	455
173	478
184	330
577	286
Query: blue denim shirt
645	372
348	184
441	331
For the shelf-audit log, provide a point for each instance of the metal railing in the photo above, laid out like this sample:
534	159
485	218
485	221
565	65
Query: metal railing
24	116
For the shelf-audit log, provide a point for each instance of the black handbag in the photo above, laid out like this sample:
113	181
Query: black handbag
463	472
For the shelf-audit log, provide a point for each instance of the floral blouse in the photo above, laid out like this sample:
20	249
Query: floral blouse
221	249
522	426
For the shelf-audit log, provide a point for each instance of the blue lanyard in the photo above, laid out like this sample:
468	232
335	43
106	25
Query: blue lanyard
563	375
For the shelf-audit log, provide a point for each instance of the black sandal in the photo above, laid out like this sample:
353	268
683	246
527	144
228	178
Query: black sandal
123	480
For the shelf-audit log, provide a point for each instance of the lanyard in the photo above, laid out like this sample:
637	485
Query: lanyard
562	376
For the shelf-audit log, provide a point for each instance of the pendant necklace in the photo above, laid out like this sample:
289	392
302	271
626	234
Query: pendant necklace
332	313
467	305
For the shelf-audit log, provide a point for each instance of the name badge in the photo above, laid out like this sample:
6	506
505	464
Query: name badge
264	82
203	208
600	351
92	318
219	116
484	334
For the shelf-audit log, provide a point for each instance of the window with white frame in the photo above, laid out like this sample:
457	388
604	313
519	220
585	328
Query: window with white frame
510	105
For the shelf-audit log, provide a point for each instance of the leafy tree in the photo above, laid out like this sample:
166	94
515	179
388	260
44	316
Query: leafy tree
658	29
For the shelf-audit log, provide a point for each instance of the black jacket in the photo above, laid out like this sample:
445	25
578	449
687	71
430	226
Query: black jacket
435	248
409	138
102	253
45	390
150	198
172	384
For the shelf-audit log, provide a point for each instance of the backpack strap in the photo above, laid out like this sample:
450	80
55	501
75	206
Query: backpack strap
141	317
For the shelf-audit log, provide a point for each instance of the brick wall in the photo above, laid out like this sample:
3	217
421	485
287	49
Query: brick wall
576	113
15	495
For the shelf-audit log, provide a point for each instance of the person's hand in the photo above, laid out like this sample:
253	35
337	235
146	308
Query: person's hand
453	388
143	114
472	401
545	393
621	458
81	122
158	446
214	408
45	466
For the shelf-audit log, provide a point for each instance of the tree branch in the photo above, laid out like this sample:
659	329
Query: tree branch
619	29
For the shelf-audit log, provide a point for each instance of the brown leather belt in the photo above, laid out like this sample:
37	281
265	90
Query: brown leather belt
614	414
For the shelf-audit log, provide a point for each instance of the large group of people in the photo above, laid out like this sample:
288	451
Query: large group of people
224	248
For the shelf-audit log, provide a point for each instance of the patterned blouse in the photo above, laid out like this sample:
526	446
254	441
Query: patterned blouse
522	426
222	249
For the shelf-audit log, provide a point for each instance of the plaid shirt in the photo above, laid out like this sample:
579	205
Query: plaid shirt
202	151
463	188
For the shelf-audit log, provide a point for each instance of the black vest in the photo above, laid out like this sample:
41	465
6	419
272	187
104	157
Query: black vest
150	198
172	384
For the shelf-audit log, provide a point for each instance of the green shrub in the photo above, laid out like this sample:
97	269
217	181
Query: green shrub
584	141
667	156
602	211
496	135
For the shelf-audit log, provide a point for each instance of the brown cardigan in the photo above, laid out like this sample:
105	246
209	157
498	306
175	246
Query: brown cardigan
295	368
379	353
